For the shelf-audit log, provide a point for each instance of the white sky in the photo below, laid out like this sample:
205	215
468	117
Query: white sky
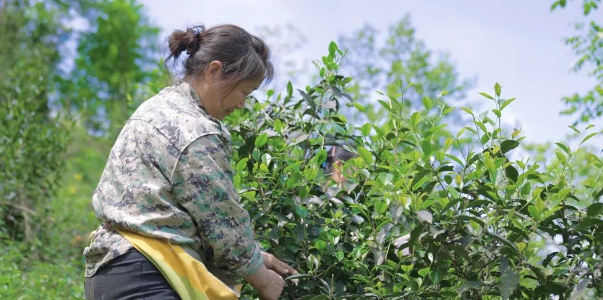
516	43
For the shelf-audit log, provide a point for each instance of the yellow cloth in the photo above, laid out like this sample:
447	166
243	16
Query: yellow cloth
188	276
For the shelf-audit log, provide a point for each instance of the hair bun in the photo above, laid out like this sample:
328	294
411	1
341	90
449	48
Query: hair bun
189	41
193	40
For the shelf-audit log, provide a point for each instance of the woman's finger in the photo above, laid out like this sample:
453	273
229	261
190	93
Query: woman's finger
286	268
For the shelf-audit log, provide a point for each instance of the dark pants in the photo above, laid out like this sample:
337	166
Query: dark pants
129	276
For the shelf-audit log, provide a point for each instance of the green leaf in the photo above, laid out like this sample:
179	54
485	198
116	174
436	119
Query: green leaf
574	129
289	89
534	213
332	49
560	157
445	168
366	155
508	283
419	176
449	205
320	245
589	222
336	91
486	95
564	148
414	235
278	126
470	285
426	146
507	102
427	103
587	8
503	241
551	288
519	231
511	173
261	140
419	183
359	107
436	129
469	218
467	110
448	110
442	94
424	272
366	129
415	118
496	112
435	277
497	89
588	137
308	99
380	208
481	126
508	145
386	105
242	164
320	157
594	209
301	211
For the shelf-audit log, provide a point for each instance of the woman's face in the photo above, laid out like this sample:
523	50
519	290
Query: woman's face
230	97
220	99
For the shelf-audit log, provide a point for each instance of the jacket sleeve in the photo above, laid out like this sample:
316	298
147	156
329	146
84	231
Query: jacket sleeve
202	183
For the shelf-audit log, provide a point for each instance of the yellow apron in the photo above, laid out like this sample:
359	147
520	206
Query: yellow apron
189	277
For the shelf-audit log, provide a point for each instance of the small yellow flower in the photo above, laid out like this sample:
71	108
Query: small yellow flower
72	190
78	176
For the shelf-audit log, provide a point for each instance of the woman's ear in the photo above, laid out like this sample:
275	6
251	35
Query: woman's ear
213	72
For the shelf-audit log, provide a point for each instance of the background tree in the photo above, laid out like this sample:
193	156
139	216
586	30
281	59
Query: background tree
32	140
588	46
401	62
117	59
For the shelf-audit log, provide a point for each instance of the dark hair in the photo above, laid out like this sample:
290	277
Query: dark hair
243	56
337	153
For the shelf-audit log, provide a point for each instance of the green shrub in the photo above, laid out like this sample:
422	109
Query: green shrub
482	223
31	140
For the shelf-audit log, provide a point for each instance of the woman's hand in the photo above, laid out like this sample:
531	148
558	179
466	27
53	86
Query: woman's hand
278	266
268	283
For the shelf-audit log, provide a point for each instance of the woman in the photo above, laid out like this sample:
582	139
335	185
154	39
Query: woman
172	226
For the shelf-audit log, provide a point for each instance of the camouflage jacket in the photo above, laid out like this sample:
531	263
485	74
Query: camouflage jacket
169	176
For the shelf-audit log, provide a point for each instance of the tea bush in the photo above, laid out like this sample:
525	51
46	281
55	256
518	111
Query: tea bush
480	222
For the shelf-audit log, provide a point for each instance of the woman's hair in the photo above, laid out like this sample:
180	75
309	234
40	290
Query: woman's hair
243	56
337	153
